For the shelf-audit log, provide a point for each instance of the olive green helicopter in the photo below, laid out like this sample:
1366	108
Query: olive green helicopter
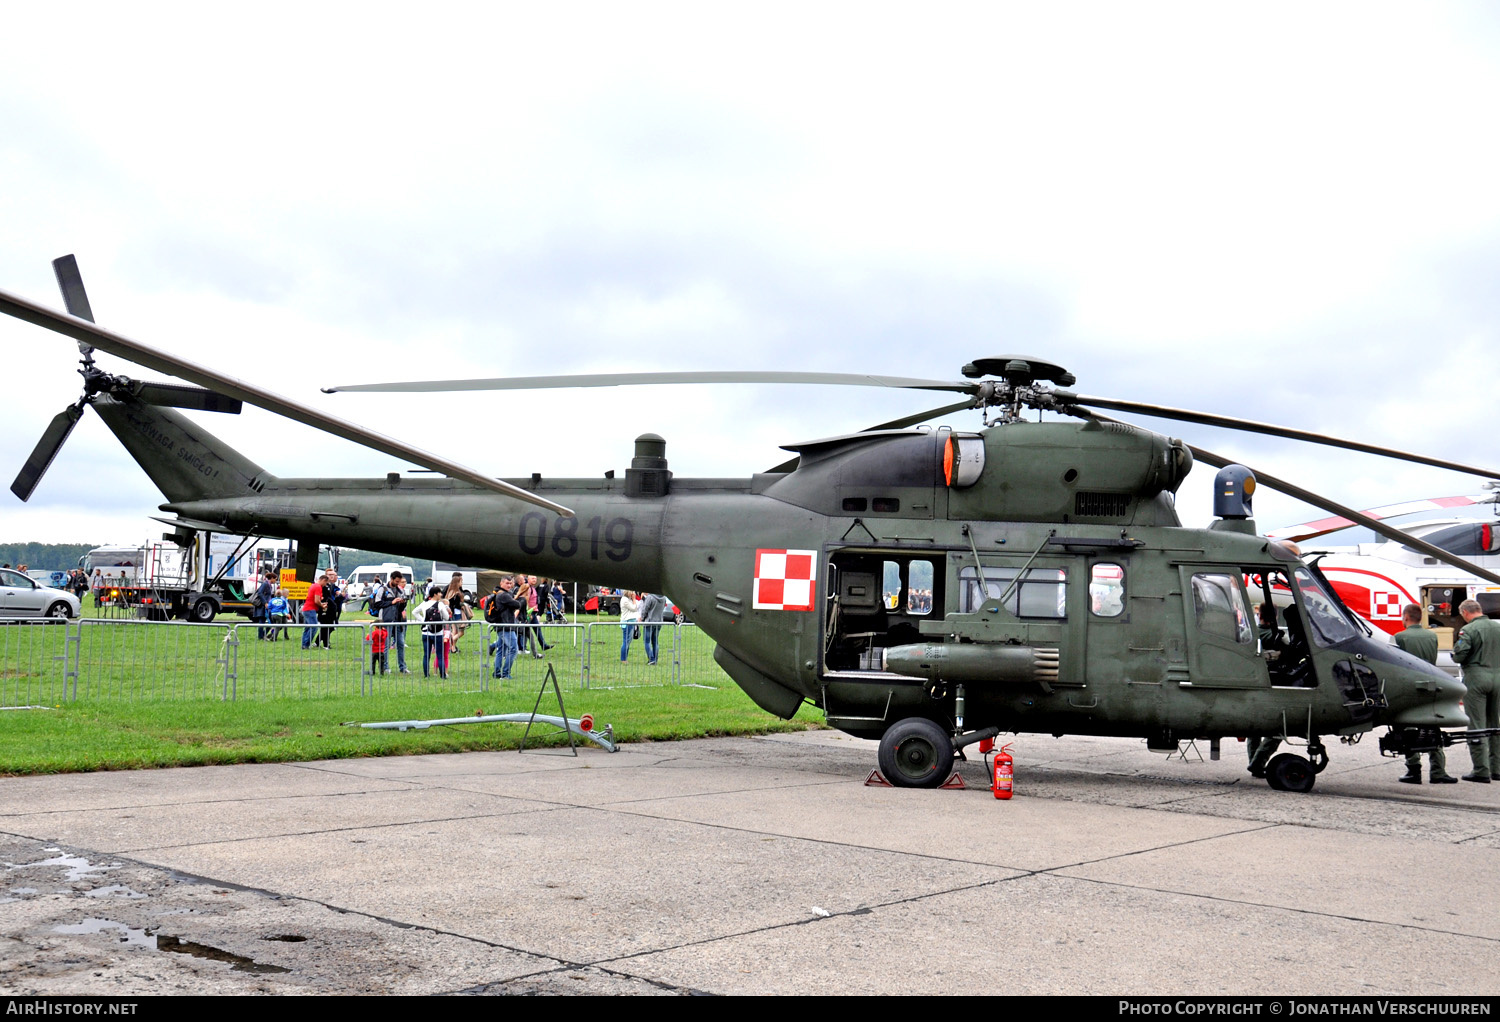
926	588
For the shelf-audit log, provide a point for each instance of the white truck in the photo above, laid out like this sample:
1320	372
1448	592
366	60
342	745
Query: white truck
192	576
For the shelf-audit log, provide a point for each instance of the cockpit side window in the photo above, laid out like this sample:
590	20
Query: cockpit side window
1220	608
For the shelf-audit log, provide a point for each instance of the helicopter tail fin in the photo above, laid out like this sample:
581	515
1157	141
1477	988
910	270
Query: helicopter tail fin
185	461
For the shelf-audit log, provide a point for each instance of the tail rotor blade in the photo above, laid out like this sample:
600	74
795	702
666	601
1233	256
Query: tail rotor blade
75	298
46	449
152	358
175	395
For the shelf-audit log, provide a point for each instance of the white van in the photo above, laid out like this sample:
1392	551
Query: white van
363	579
469	577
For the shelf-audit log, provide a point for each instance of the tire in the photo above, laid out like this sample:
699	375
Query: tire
915	753
203	611
1287	772
59	610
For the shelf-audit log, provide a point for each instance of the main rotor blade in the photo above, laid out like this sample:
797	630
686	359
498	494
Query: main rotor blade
75	298
46	450
1332	507
901	423
1249	425
144	355
1375	524
647	379
175	395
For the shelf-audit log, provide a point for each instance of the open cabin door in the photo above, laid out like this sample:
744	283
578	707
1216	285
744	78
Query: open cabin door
876	600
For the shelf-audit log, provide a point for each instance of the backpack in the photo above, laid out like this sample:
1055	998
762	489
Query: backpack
433	615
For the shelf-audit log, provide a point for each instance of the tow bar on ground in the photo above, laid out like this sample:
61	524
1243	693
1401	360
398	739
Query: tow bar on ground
583	727
605	739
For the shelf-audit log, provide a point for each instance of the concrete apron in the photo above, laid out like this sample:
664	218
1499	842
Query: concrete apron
751	865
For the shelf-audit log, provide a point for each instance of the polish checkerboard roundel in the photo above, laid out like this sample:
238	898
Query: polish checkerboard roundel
1384	605
785	579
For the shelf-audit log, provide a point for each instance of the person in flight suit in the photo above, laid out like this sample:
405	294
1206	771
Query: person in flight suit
1477	651
1271	642
1421	643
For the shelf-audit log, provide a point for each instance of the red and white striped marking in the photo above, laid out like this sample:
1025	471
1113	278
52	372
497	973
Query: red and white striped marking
1323	526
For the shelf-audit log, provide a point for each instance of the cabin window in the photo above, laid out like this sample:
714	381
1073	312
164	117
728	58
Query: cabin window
1107	590
919	587
906	587
1041	593
1221	608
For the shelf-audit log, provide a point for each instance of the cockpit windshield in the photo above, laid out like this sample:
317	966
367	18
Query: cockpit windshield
1326	624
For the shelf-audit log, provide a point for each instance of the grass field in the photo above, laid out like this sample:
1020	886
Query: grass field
155	695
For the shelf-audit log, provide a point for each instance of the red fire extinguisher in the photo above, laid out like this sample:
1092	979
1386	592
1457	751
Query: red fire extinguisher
1004	773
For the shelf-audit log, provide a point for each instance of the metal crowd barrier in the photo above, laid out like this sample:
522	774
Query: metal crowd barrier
47	662
35	656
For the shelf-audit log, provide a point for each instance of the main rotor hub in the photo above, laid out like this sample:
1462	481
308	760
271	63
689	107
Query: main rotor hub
1018	386
1019	370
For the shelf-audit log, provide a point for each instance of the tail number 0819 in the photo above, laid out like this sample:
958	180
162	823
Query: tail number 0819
615	535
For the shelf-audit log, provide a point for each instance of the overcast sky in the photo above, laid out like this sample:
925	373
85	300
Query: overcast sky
1283	211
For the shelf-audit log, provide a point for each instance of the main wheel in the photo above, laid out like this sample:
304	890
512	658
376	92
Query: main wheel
203	611
58	609
1287	772
915	753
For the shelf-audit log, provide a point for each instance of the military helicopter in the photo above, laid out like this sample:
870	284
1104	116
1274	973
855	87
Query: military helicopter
1039	577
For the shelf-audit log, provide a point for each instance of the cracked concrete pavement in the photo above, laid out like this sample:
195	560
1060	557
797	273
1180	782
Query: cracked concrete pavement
748	865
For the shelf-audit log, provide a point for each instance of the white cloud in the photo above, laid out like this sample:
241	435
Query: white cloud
1285	212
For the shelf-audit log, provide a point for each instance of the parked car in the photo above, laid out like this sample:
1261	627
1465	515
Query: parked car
21	596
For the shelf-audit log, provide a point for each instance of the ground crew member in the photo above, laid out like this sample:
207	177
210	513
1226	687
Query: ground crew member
1421	643
1477	651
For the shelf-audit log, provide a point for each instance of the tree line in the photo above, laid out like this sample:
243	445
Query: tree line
44	556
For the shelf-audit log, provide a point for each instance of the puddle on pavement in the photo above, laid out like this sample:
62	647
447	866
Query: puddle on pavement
237	963
78	867
130	936
112	891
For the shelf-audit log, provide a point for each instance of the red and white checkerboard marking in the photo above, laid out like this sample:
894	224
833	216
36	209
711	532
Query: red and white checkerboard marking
785	579
1385	606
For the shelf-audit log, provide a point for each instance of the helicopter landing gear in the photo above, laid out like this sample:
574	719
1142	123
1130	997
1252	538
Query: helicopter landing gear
1288	772
915	753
